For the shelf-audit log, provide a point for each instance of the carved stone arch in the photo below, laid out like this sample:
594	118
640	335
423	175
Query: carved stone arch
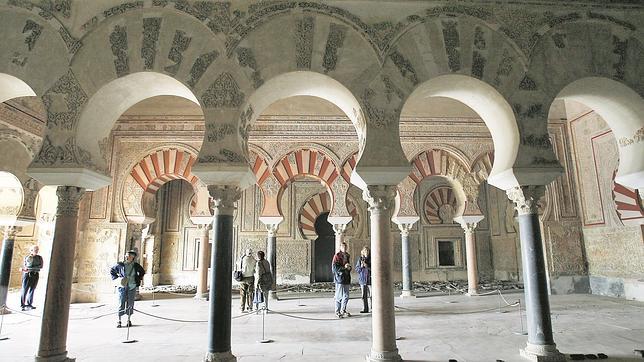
148	173
8	134
482	165
437	162
610	49
459	44
318	204
481	15
35	49
439	205
306	145
305	162
259	164
348	165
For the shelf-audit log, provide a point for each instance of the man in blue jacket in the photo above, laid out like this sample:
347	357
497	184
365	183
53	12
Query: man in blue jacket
129	275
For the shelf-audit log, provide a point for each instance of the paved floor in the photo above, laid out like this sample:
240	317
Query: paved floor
430	328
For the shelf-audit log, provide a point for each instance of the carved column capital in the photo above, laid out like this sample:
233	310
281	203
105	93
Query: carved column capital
224	198
526	198
405	228
272	229
11	231
203	227
68	200
340	229
379	197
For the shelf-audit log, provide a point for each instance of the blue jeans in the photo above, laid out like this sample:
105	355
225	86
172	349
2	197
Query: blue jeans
341	297
29	283
126	299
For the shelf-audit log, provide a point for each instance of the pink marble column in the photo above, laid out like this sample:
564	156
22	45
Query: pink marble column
383	329
53	332
204	262
469	223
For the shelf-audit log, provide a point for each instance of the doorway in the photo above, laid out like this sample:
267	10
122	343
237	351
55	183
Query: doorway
324	249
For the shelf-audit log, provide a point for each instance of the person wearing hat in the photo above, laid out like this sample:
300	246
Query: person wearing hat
128	275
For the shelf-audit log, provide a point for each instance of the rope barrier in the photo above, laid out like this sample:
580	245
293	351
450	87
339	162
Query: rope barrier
304	318
442	312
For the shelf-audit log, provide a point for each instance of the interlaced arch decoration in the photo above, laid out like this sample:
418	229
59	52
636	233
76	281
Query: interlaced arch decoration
318	204
436	162
348	166
260	167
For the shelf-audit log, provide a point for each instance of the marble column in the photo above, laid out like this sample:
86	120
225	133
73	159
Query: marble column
407	282
383	329
53	331
469	223
204	262
136	239
219	318
151	277
5	265
540	346
271	254
339	229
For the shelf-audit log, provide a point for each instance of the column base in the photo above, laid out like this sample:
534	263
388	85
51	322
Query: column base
56	358
220	357
471	292
407	294
202	296
272	295
375	356
542	353
4	310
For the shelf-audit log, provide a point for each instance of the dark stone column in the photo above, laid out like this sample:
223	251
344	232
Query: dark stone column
540	346
5	266
219	318
53	331
383	327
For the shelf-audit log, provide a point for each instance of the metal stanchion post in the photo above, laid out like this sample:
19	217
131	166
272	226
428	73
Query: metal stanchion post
1	323
264	340
153	302
127	338
522	332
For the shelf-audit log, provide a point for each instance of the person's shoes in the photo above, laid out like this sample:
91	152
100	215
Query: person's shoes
129	323
339	315
23	308
31	307
118	325
364	311
346	314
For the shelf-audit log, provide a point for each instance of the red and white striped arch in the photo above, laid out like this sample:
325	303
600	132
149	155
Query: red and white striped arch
628	203
259	167
305	162
436	199
433	162
316	206
348	167
162	166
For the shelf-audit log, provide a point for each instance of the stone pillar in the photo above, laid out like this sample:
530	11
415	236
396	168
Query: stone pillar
53	331
151	277
407	282
381	201
135	240
219	318
339	229
540	346
271	254
5	265
469	223
204	263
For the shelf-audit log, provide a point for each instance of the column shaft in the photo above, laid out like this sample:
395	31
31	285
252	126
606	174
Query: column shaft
53	332
204	263
534	281
5	264
472	267
219	318
271	253
383	328
406	263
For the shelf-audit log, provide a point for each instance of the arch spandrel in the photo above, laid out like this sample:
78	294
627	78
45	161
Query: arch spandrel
32	49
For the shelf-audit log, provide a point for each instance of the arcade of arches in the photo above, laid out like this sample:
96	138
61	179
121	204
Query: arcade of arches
462	141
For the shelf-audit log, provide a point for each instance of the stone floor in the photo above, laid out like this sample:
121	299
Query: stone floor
430	328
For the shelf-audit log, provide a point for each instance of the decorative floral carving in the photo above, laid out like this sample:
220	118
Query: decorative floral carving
224	198
68	200
379	197
223	93
526	198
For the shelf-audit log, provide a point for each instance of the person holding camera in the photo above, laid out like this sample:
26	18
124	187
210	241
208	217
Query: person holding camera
128	275
246	285
342	277
363	268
